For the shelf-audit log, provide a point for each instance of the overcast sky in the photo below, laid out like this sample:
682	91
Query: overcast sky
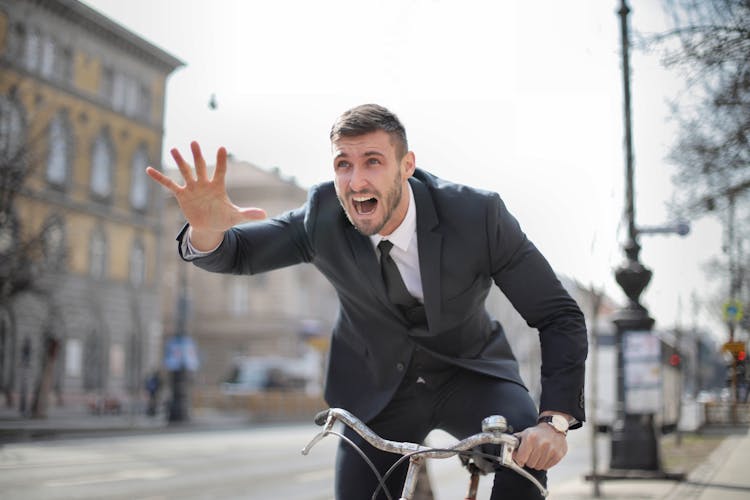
520	97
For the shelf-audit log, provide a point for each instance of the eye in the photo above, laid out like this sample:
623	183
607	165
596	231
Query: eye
342	164
373	161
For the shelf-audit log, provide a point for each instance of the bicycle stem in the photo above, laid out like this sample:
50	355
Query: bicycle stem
410	484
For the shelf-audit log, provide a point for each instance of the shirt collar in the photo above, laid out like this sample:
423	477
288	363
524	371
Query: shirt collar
402	236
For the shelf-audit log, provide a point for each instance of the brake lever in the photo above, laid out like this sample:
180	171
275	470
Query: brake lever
325	418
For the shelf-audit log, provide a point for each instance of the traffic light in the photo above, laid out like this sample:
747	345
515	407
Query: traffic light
740	365
674	360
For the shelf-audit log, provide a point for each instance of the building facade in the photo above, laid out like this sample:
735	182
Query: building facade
81	116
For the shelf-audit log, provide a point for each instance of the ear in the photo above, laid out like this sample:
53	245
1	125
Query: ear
408	164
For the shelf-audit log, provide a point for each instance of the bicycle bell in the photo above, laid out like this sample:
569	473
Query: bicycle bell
494	423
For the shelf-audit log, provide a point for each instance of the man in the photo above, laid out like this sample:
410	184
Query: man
413	348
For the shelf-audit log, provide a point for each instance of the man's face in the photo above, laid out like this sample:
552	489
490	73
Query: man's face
371	180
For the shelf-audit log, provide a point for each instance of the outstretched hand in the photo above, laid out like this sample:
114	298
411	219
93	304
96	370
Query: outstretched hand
203	201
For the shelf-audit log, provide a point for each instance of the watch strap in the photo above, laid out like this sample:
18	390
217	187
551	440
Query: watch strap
557	422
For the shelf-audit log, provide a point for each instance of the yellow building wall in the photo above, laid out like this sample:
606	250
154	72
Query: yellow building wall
157	99
87	72
78	230
3	31
41	102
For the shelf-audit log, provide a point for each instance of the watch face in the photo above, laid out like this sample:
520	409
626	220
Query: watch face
558	422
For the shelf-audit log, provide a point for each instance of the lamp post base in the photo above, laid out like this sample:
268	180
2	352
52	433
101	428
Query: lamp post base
634	444
179	406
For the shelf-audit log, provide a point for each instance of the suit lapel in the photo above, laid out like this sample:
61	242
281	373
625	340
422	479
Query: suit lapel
430	249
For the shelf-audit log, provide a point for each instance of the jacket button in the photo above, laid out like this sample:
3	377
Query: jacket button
400	367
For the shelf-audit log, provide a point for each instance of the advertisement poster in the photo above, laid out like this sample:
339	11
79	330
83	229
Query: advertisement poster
641	358
180	353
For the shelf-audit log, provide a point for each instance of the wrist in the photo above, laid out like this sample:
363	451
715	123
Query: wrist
558	422
203	240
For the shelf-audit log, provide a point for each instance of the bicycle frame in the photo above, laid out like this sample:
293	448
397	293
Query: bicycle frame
493	432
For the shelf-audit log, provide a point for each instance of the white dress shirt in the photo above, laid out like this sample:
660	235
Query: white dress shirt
405	251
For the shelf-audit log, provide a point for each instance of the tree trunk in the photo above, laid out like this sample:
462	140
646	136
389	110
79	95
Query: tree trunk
41	394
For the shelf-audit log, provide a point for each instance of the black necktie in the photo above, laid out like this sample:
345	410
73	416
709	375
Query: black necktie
394	285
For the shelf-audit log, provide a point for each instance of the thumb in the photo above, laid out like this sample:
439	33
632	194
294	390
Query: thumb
252	213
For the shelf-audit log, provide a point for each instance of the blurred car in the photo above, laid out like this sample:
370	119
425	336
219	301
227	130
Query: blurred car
255	374
706	397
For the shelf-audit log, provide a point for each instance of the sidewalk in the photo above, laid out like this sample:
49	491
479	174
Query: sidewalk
724	475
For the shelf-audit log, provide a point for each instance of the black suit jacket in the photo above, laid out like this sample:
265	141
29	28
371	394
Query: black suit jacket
467	240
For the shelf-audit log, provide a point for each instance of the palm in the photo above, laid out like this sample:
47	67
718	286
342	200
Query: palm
206	206
203	201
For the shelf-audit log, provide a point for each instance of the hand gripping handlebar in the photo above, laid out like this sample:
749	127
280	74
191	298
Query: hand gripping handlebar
494	431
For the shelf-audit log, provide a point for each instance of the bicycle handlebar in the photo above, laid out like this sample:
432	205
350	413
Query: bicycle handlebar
493	433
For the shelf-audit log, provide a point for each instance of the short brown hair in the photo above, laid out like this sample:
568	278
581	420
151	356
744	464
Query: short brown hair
368	118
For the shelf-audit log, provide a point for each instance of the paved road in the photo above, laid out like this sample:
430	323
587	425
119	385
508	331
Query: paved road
248	464
259	463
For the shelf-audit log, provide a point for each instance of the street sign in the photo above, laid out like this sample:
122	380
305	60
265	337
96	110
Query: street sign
732	310
733	347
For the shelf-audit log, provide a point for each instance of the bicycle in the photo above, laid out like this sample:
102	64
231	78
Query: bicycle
494	431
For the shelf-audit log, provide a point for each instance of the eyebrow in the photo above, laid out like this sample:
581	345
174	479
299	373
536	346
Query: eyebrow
342	154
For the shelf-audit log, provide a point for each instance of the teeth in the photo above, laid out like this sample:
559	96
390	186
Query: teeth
362	198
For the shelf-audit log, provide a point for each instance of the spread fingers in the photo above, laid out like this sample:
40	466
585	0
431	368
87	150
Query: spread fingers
200	163
162	179
185	169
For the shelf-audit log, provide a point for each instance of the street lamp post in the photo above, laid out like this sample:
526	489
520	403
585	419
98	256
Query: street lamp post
634	444
180	356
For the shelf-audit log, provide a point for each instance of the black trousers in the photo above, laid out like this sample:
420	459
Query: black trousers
447	398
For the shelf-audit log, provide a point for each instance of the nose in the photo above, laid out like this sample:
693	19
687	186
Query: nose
357	179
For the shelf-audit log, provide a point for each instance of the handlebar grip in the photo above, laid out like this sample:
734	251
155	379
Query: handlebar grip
321	417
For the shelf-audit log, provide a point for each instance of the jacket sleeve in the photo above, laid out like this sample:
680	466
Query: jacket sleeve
526	278
258	247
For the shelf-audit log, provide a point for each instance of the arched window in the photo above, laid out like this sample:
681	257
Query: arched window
60	150
102	166
32	49
12	127
54	243
139	183
47	57
137	264
98	254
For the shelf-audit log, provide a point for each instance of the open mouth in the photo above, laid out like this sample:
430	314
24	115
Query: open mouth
364	206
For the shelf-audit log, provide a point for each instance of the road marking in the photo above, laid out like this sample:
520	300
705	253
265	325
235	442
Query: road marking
123	475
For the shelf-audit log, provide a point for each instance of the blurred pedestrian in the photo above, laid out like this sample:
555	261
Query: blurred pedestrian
153	386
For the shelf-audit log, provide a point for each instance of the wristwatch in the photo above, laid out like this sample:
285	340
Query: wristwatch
558	422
